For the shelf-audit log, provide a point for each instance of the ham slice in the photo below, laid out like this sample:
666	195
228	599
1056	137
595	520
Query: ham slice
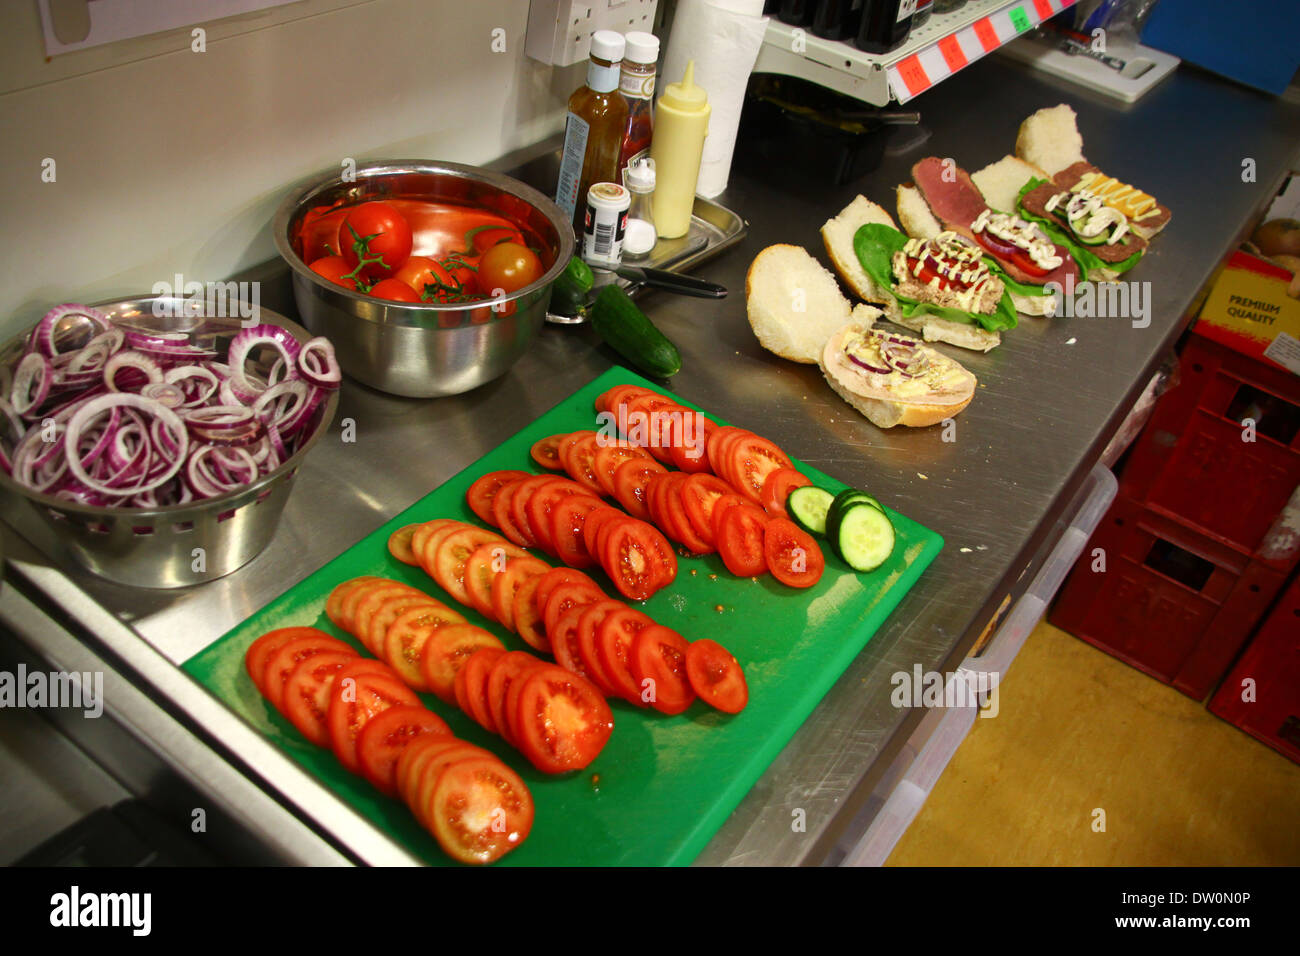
959	203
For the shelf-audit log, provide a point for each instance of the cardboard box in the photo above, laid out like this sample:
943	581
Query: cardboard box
1248	310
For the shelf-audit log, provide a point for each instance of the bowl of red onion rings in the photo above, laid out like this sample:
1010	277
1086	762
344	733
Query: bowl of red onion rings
160	442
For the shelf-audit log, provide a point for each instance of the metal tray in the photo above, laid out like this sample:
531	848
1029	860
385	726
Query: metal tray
714	228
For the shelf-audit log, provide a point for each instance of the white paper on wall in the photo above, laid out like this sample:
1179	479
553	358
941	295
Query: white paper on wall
69	25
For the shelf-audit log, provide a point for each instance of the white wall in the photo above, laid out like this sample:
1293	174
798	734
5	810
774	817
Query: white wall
174	161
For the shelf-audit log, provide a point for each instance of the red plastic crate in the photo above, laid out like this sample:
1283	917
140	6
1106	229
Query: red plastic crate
1171	602
1272	661
1191	463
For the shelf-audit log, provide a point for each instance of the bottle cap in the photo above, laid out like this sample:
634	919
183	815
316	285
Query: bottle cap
641	47
686	95
607	45
640	176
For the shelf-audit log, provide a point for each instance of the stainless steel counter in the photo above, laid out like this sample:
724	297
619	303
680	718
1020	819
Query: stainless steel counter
1049	400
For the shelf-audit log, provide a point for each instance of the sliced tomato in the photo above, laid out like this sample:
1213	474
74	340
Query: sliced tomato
637	559
505	585
631	480
564	598
568	521
674	513
453	554
502	510
349	602
564	640
386	735
480	495
617	399
581	462
415	757
479	811
358	694
562	721
777	487
527	617
700	493
306	694
609	457
404	642
740	540
519	504
445	652
554	578
425	542
716	676
691	453
289	655
726	503
658	663
613	643
481	569
543	501
589	620
546	452
370	605
506	669
261	650
334	603
399	544
792	555
388	612
470	686
596	519
751	460
431	765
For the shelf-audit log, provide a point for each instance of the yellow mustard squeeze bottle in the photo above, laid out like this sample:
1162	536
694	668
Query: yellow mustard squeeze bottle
681	123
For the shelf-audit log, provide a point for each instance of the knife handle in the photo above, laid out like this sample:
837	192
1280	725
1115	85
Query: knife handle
686	285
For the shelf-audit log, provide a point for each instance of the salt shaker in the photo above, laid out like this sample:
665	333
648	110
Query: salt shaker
639	178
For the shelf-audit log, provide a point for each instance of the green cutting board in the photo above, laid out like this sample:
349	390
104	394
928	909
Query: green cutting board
663	785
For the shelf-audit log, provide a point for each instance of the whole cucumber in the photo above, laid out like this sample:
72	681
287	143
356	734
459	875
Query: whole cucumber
628	331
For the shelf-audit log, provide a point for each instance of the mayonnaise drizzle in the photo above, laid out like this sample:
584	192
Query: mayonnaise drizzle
1018	232
955	259
1088	215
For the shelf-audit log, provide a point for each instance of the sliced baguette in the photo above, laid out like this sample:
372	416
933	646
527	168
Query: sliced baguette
1000	183
1050	139
794	303
838	235
886	412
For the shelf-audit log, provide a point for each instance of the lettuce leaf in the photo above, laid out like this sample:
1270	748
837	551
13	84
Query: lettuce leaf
875	245
1088	262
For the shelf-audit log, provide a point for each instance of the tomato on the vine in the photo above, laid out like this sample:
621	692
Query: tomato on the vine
335	270
378	234
508	266
482	238
395	290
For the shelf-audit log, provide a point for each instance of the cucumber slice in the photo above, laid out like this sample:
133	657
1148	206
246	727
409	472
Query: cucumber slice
864	537
808	507
846	498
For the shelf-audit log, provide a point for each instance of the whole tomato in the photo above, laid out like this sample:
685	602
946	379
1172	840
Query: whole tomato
394	289
377	234
508	266
335	270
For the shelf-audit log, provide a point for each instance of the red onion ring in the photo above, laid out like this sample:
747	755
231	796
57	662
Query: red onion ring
31	383
321	370
88	412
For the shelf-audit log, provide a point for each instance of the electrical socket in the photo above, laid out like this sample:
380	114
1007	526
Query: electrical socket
559	31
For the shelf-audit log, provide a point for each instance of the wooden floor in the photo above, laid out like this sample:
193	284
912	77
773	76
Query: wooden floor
1080	734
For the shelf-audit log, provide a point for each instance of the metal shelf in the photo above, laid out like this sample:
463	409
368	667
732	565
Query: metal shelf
942	46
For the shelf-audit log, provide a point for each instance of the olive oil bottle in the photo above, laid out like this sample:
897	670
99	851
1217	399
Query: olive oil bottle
593	130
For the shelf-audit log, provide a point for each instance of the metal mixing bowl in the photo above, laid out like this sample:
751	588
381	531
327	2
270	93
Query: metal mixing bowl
425	350
177	545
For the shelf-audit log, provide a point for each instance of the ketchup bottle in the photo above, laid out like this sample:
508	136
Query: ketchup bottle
638	87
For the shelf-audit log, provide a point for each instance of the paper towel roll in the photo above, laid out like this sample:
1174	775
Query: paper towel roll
723	38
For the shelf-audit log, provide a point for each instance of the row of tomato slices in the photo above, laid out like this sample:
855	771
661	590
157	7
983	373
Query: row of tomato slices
727	496
473	804
562	611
